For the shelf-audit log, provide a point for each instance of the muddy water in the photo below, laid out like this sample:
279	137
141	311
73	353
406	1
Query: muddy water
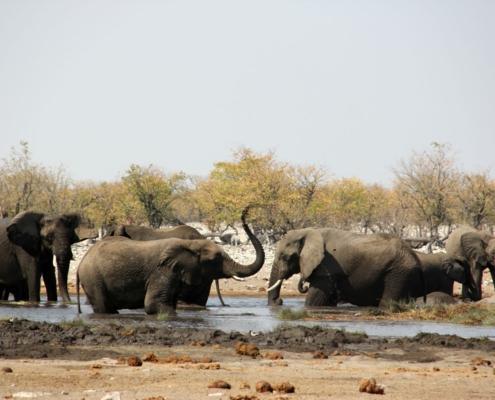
245	314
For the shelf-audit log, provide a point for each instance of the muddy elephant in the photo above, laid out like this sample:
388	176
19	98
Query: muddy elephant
118	272
366	270
477	248
27	246
197	294
440	271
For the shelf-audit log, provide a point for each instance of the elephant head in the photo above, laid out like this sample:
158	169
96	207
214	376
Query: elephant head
459	271
37	233
478	249
300	251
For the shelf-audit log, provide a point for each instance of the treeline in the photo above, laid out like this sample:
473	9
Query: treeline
429	192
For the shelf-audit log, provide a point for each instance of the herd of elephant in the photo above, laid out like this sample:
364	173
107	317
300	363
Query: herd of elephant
139	267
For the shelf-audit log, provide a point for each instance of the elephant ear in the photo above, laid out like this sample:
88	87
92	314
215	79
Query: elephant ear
455	270
24	231
473	248
312	253
184	263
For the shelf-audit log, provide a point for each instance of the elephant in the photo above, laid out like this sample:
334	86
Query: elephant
440	271
435	298
189	294
365	270
118	272
477	248
136	232
27	246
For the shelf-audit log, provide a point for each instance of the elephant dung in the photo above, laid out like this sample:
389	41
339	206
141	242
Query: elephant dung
285	387
7	370
319	355
134	361
150	357
247	349
219	385
478	361
263	387
243	397
273	355
369	385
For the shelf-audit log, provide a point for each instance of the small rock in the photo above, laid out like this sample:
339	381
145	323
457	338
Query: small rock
219	385
263	387
243	397
245	385
247	349
369	386
96	366
7	370
285	387
436	369
155	398
111	396
134	361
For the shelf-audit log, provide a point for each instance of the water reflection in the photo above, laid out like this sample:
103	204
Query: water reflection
245	314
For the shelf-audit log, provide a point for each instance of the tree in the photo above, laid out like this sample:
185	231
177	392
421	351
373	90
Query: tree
429	181
155	191
476	196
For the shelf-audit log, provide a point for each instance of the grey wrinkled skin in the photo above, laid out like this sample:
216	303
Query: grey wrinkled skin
440	271
119	273
27	245
365	270
477	249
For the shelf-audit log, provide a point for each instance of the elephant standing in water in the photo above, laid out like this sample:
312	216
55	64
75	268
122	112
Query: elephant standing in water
477	249
121	273
27	246
366	270
197	294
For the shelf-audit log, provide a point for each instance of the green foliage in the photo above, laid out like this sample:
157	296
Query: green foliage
155	191
288	314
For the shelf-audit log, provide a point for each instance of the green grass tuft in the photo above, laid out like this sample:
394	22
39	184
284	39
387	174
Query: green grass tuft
287	314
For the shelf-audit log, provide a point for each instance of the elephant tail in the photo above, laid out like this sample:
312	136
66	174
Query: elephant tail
78	294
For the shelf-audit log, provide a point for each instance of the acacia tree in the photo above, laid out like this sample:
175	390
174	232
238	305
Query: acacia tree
155	191
476	196
429	181
25	185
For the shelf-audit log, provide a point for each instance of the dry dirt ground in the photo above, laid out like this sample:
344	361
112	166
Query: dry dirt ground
60	362
445	373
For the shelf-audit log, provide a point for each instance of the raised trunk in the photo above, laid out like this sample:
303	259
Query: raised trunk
232	268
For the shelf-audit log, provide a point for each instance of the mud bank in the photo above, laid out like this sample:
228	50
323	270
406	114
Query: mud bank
23	338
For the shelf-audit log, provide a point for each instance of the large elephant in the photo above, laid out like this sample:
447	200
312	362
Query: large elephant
121	273
477	248
440	271
27	246
197	294
366	270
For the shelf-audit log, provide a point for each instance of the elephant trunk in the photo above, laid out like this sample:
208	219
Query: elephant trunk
300	286
274	293
232	268
63	264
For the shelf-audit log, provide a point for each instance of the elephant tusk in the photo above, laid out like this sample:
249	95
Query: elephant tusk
275	285
235	277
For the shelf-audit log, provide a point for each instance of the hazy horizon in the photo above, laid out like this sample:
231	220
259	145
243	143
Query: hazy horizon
353	87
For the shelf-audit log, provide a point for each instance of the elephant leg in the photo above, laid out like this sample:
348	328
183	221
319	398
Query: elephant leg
31	273
322	293
99	299
161	294
401	285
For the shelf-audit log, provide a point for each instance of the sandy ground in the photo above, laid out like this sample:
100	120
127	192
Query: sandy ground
444	373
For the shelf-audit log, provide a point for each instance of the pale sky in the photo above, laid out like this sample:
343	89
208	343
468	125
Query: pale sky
352	86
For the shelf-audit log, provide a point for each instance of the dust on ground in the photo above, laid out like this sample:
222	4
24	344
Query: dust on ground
56	361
